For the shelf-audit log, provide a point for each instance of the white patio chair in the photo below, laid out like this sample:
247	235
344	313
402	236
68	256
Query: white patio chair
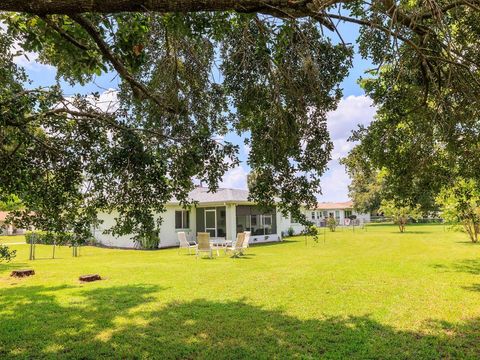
204	244
237	248
246	241
184	243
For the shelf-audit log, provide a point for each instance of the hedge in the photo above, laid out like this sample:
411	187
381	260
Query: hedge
48	238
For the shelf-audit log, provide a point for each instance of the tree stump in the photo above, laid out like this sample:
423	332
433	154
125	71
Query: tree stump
22	273
89	278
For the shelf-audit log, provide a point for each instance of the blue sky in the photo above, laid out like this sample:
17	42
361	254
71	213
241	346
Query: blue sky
355	108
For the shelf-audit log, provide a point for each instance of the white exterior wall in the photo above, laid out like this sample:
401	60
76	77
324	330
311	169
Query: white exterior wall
284	223
364	218
168	233
108	220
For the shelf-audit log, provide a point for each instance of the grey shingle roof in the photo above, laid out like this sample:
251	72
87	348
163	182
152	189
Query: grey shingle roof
203	196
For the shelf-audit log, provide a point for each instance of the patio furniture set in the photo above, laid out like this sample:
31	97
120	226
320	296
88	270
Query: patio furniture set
209	245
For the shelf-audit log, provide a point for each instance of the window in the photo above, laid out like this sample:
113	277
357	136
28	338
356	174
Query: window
348	213
267	220
292	220
182	219
337	214
313	215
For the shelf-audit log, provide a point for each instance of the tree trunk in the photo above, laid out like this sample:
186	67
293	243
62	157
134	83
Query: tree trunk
90	278
471	229
22	273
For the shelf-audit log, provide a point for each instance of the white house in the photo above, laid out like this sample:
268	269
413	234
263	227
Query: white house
222	214
341	211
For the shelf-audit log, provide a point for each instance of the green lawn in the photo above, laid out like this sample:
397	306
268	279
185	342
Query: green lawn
11	239
368	294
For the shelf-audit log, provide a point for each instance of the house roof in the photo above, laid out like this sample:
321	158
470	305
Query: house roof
222	195
334	206
202	195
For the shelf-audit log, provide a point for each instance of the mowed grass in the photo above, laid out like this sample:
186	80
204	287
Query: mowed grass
362	295
4	239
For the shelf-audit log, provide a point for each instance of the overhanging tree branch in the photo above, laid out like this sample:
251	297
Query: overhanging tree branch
117	63
114	6
63	33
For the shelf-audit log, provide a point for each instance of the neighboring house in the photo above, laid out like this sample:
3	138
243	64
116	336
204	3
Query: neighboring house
222	214
342	212
8	229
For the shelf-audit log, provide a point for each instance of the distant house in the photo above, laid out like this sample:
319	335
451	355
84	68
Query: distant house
222	214
343	212
8	229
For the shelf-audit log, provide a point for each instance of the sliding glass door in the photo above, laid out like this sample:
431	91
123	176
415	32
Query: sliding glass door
212	220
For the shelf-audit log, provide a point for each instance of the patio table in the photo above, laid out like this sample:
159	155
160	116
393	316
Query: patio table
220	243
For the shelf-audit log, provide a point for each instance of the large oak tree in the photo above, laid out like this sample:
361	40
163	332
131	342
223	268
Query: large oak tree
192	71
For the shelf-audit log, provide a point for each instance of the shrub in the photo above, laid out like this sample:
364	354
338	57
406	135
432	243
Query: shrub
461	206
6	254
400	214
148	241
332	223
290	231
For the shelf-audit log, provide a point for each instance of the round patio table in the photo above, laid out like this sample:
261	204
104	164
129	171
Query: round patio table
220	243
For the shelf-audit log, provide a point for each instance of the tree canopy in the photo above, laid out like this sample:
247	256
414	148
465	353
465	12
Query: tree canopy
461	206
192	71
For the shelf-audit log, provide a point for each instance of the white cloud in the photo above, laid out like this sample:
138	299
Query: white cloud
107	101
25	59
246	149
29	60
335	183
351	111
235	178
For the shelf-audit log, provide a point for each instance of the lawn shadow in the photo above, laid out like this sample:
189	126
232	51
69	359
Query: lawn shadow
469	266
411	232
7	267
126	322
242	257
468	242
474	287
274	243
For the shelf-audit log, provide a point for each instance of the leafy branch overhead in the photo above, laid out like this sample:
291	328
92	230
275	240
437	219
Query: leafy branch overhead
190	72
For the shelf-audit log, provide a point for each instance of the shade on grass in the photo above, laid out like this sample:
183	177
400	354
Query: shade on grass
374	294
